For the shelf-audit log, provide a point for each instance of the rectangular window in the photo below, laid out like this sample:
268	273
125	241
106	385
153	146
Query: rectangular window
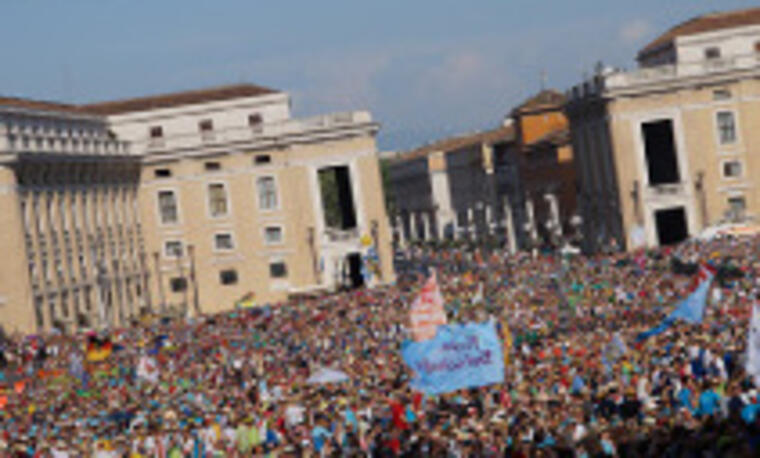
178	284
223	242
212	166
162	173
267	191
173	249
732	169
254	119
228	277
712	53
726	127
737	205
721	94
167	207
262	159
217	200
278	270
273	235
206	125
156	132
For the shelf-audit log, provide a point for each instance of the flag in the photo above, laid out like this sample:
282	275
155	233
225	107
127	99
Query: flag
459	356
427	311
98	349
147	369
691	309
753	345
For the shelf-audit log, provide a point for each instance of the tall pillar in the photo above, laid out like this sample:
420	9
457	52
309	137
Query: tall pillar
509	224
472	230
413	235
531	218
489	219
425	226
400	231
553	202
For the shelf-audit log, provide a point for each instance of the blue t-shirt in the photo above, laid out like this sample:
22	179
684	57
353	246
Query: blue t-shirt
318	436
708	403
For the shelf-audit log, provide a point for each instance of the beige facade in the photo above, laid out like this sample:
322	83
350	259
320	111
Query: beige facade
71	236
668	150
186	202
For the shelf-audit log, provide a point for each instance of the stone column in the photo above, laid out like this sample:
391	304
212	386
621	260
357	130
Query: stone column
425	226
400	231
489	219
553	202
531	218
509	225
413	235
472	230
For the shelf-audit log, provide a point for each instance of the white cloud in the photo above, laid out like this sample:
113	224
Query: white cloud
633	32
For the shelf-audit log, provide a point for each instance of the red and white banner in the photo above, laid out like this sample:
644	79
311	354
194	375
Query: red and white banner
427	311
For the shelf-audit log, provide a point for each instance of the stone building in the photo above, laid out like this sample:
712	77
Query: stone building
187	202
668	149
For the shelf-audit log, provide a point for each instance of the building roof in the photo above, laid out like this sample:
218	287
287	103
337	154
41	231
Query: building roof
705	23
504	133
176	99
547	98
29	104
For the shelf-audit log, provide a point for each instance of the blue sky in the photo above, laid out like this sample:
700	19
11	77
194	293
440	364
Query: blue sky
425	68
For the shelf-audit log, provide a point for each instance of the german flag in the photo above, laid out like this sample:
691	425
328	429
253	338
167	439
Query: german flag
98	349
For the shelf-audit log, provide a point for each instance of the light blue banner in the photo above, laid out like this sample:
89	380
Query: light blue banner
459	356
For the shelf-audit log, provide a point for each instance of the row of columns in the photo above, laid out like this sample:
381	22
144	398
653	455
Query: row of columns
470	231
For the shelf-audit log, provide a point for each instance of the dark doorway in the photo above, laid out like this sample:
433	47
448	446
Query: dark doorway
355	277
660	150
337	198
671	225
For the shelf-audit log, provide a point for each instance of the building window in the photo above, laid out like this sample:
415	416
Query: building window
712	53
255	119
267	191
217	200
228	277
162	173
732	169
167	207
156	132
223	242
737	205
721	94
726	127
206	125
178	284
278	270
173	249
273	235
262	159
212	166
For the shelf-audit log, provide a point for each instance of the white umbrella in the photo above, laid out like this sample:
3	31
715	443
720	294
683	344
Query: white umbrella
327	375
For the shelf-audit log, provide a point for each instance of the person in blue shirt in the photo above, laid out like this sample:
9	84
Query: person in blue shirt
319	435
709	401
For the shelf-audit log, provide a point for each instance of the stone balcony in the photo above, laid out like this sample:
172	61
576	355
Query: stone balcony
272	132
619	80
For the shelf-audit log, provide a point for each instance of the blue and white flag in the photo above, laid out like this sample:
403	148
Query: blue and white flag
691	309
459	356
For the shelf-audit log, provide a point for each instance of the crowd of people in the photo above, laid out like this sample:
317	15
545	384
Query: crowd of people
578	382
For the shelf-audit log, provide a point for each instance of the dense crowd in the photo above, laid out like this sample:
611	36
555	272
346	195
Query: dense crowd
577	382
